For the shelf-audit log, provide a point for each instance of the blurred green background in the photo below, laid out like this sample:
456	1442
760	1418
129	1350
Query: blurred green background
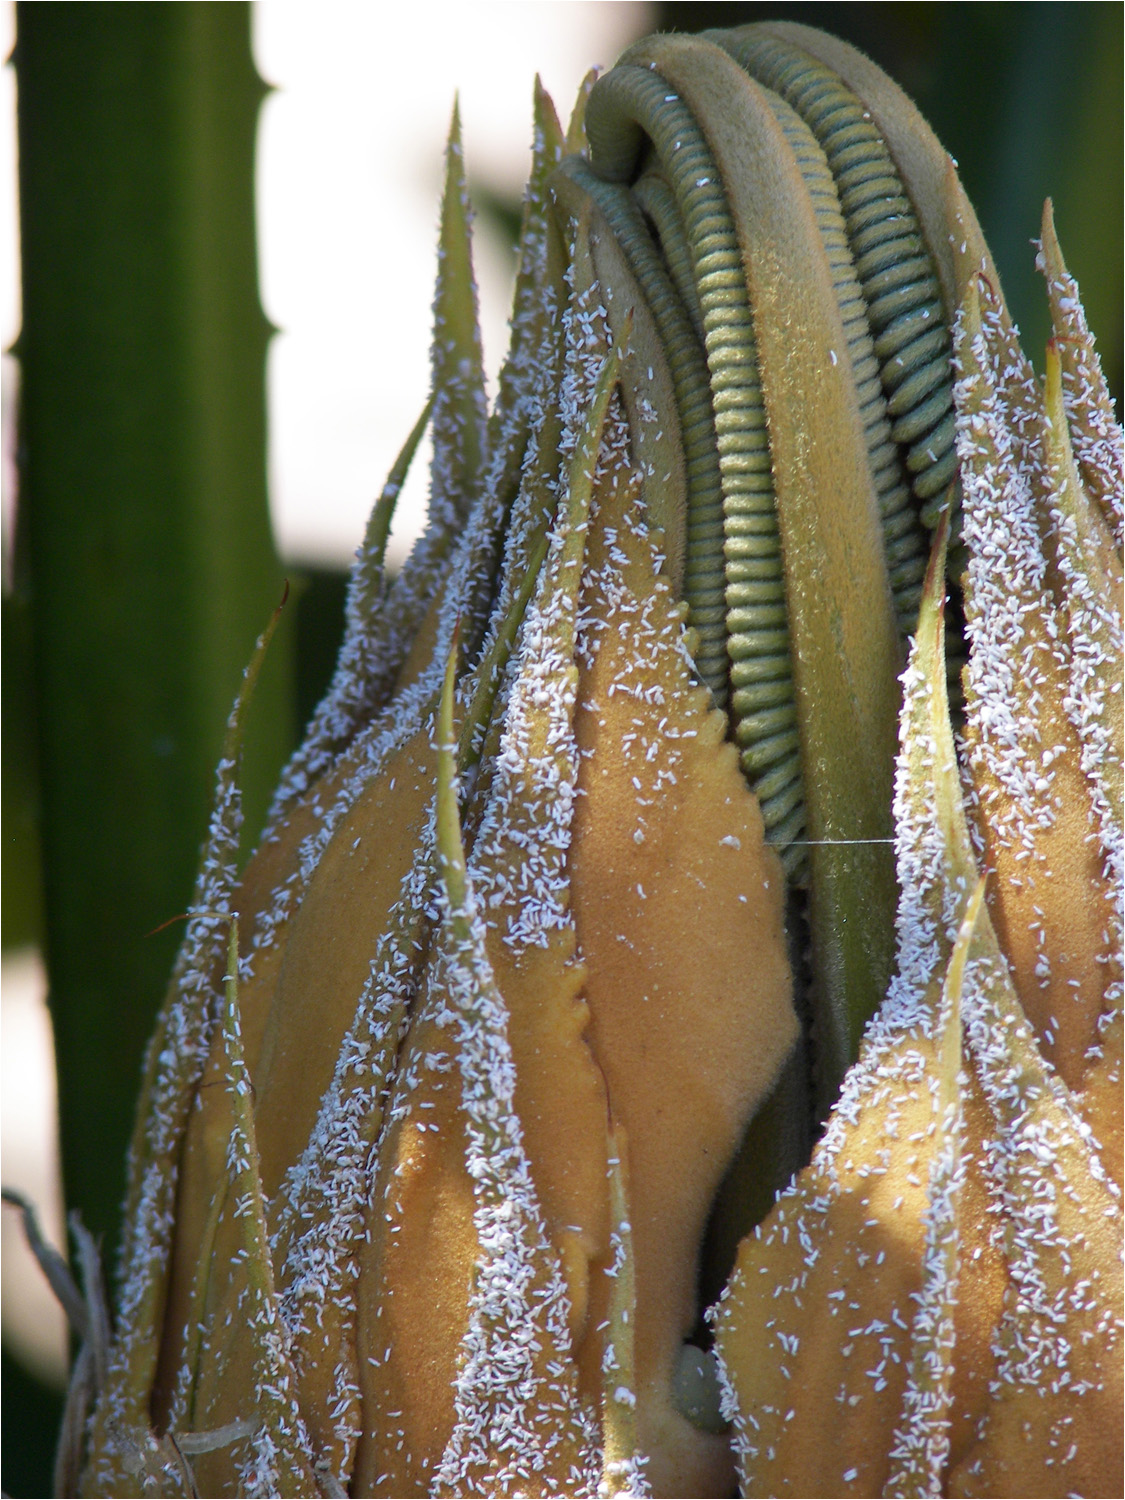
142	565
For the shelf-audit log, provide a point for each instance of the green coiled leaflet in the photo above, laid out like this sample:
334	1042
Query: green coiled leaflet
654	178
894	268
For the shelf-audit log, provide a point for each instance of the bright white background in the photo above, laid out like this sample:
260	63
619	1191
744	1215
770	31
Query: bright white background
349	176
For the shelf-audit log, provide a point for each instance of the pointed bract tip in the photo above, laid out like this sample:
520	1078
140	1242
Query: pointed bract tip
576	130
544	106
1050	258
1048	220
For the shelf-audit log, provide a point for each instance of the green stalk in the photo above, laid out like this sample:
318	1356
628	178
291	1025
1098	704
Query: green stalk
143	491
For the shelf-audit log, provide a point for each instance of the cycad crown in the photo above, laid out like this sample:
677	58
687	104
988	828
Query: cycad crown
448	1080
